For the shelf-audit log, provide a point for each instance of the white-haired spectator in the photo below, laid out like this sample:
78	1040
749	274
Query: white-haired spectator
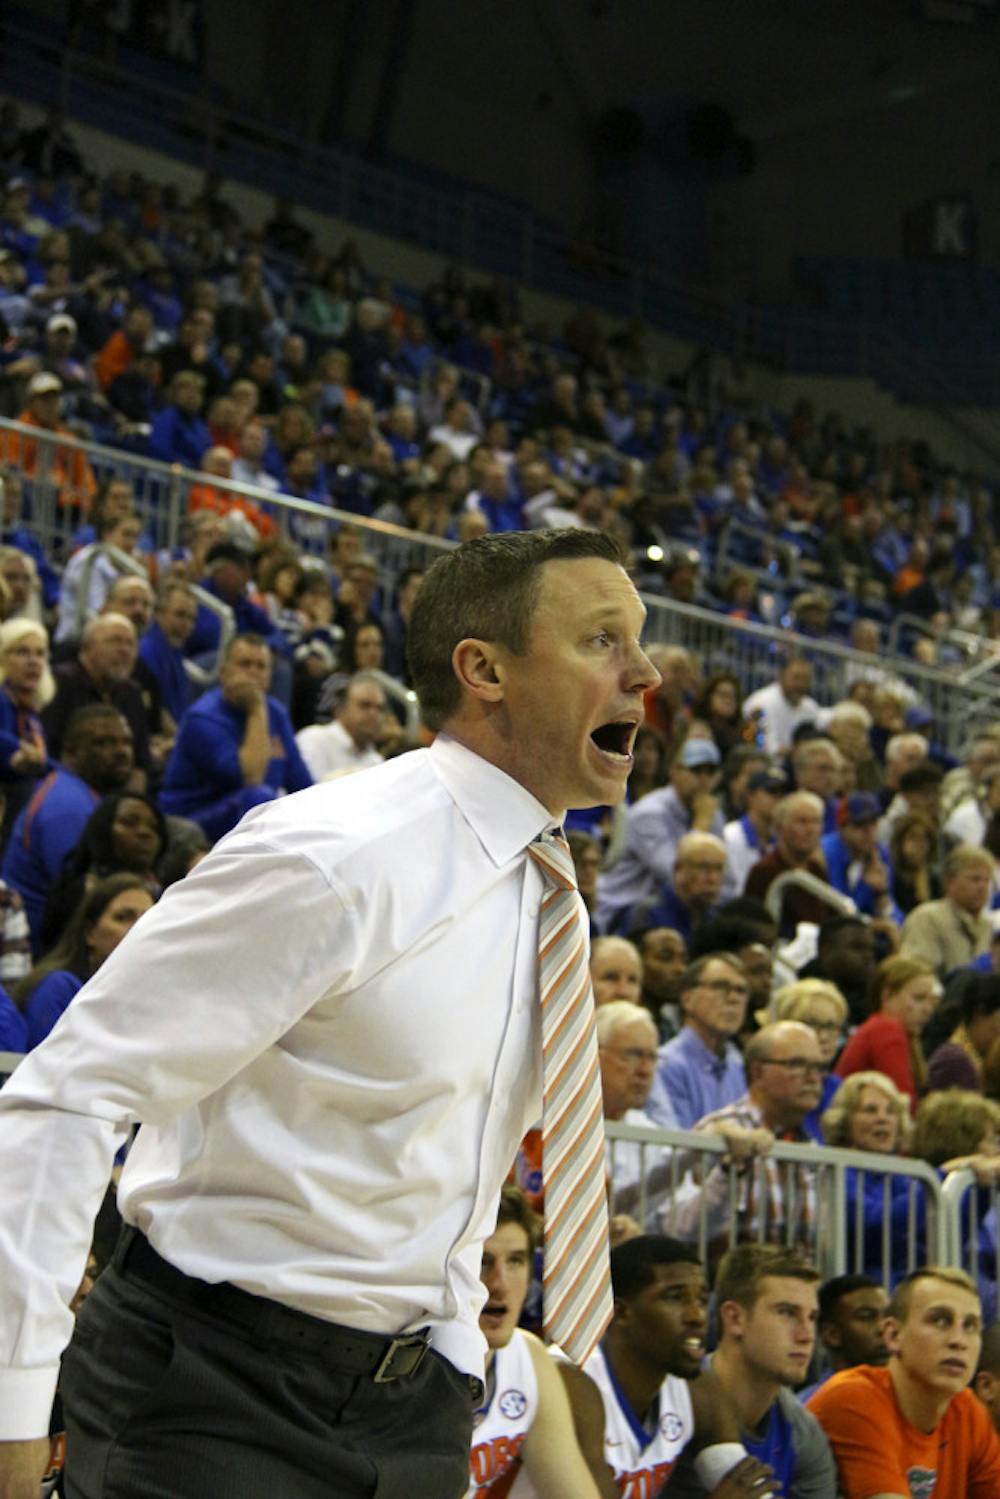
798	825
627	1042
849	725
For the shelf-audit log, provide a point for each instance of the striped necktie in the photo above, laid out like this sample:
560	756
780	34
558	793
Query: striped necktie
576	1278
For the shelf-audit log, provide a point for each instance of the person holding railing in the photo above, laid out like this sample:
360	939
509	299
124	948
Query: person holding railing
870	1113
773	1202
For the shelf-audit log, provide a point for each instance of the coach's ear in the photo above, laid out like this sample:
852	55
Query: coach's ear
477	667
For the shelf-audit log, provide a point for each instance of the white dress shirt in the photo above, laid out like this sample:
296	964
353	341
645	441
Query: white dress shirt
328	750
779	718
329	1031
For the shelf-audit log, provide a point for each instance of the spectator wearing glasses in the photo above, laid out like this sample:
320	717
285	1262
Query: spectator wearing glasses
773	1203
626	1039
694	891
701	1070
656	826
820	1005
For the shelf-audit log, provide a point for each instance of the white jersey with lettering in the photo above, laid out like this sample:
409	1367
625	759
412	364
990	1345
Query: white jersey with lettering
496	1438
642	1463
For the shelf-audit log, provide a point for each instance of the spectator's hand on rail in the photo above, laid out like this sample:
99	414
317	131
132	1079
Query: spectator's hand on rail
622	1227
986	1168
743	1143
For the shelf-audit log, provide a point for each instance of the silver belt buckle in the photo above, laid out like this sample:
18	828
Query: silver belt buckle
413	1341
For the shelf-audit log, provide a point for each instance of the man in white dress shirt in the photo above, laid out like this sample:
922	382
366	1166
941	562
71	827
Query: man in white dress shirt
330	1035
348	743
783	705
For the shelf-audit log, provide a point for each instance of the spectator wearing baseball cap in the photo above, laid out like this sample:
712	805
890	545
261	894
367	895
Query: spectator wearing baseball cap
749	837
66	468
856	863
655	827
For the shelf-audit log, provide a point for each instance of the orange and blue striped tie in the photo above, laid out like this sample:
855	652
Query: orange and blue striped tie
576	1278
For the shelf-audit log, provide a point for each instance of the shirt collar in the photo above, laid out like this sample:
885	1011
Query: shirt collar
502	813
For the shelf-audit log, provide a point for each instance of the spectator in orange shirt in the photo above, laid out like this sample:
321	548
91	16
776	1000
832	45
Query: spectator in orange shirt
124	346
914	1429
218	461
64	467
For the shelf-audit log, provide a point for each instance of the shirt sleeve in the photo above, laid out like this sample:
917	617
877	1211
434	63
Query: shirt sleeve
675	1077
297	776
815	1469
210	757
48	1002
864	1439
984	1463
178	1010
654	841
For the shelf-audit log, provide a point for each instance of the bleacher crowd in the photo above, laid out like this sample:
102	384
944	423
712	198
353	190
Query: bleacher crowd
858	1006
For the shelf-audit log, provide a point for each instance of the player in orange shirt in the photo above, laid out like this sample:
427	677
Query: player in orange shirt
914	1430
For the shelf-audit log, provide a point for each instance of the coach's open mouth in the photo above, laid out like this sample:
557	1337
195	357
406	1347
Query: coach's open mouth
616	739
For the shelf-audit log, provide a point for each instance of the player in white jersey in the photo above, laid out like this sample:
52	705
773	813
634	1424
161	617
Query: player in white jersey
641	1399
524	1429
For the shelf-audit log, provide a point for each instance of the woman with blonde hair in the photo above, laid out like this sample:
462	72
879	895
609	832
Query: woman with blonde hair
906	992
820	1005
25	687
870	1113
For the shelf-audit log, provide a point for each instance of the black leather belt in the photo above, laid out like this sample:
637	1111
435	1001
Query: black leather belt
384	1359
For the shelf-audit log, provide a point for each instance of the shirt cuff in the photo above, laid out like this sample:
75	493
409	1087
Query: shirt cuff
26	1397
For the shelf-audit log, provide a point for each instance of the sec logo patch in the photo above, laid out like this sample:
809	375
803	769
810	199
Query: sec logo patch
672	1427
512	1404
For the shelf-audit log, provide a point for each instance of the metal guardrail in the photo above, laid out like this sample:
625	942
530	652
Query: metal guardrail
967	1213
657	1176
801	879
959	701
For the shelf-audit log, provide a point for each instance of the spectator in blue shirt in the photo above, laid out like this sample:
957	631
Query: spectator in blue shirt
179	435
856	863
13	1029
701	1070
235	746
161	649
100	921
229	568
656	825
693	893
96	758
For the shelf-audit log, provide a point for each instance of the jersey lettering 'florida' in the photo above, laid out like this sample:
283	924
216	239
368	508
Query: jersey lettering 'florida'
495	1460
642	1461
